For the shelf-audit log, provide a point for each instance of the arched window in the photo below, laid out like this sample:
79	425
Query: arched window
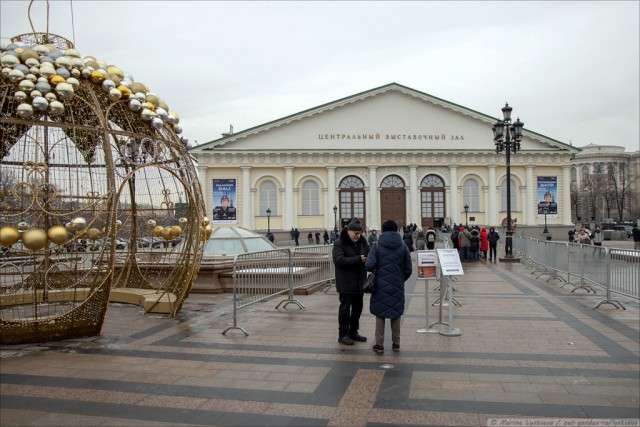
268	198
352	199
471	195
392	181
503	196
432	201
310	198
585	173
574	174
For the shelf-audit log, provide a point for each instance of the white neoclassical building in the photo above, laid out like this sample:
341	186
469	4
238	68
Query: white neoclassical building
388	153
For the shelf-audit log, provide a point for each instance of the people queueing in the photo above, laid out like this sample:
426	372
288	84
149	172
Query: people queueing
325	237
464	237
421	241
391	260
430	237
484	242
493	238
349	255
474	245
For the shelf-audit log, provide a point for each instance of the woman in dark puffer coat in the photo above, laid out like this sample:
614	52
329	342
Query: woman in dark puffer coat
392	261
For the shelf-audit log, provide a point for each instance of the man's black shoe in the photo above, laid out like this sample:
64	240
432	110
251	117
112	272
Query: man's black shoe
345	340
358	337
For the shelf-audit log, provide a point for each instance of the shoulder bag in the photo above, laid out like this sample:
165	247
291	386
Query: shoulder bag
370	284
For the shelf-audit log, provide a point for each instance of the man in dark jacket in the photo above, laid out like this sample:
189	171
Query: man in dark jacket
392	262
349	256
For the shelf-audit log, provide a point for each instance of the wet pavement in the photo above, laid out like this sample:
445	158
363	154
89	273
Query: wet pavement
527	348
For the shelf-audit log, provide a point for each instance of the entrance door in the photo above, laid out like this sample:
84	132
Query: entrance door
393	205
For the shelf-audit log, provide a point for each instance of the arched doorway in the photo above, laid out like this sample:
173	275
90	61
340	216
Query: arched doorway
352	200
393	204
432	201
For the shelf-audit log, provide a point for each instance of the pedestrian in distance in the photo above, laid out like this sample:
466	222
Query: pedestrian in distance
597	236
635	233
391	259
372	238
421	241
484	242
349	255
431	238
493	238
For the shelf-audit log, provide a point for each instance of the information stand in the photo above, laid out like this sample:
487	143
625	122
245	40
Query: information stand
450	265
428	271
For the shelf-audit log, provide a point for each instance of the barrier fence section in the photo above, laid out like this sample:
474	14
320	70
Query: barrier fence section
258	276
615	270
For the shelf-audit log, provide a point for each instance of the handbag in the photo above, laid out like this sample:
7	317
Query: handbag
369	285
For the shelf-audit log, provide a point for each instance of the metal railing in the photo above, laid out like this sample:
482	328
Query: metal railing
584	266
258	276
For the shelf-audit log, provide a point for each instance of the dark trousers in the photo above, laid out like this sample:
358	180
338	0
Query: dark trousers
492	250
349	314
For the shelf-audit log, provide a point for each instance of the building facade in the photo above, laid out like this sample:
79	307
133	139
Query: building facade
605	184
388	153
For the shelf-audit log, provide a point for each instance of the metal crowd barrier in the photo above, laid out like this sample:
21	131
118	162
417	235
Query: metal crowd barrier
585	266
258	276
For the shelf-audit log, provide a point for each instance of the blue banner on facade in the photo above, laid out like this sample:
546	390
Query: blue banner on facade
548	196
224	201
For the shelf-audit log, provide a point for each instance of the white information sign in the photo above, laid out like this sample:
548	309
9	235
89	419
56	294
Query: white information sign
450	262
427	264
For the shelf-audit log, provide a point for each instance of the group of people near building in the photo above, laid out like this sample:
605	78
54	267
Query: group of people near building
473	241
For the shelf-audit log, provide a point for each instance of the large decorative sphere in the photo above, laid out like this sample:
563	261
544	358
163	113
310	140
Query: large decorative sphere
91	161
34	239
58	235
8	236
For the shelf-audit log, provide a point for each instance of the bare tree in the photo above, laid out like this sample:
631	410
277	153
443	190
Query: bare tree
621	190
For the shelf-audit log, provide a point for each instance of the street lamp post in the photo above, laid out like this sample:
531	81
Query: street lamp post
545	211
507	137
335	219
268	221
466	215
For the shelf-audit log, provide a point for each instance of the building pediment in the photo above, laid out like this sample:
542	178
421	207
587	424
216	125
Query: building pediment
388	118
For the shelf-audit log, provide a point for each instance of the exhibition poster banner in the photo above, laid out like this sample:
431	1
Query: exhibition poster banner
548	196
224	200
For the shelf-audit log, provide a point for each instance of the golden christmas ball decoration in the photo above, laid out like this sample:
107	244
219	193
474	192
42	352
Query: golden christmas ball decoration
58	235
8	236
34	239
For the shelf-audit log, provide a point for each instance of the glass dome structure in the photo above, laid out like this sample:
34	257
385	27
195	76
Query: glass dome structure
231	241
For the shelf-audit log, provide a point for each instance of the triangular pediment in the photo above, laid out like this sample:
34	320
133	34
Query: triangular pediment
389	118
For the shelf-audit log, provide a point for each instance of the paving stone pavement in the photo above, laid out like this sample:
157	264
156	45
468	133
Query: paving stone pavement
528	349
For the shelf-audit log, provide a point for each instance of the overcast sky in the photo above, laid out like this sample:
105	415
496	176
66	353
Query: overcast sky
570	70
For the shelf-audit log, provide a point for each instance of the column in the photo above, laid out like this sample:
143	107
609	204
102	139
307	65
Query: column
414	213
331	197
247	206
373	208
206	197
453	194
289	215
493	207
530	206
566	194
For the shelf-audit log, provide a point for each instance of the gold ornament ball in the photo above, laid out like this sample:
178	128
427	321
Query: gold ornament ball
23	226
112	69
163	105
97	77
166	233
55	80
157	230
78	223
138	87
58	235
183	221
125	92
81	234
206	231
176	231
152	223
34	239
118	224
94	234
8	236
28	53
205	221
153	98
